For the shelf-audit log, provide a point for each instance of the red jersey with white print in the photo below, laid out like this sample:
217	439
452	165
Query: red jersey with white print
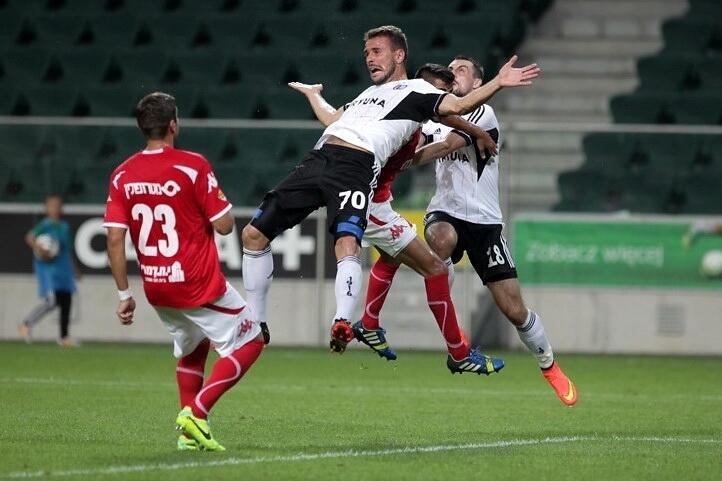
396	163
167	199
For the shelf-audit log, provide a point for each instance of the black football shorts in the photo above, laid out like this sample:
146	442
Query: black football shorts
483	243
340	178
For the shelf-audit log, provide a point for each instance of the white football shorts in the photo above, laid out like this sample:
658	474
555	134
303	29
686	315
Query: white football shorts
387	230
227	322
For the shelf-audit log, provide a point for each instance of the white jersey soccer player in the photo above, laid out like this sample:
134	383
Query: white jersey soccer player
464	216
341	171
467	182
170	202
396	240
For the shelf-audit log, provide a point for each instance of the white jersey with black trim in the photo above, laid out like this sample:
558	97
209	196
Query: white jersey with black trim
466	186
384	117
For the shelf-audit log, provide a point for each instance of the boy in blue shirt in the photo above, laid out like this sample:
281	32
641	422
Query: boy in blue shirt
51	245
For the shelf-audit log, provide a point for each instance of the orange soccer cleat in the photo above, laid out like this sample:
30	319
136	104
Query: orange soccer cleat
341	334
562	385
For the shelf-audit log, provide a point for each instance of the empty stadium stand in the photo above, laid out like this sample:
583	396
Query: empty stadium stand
670	173
221	59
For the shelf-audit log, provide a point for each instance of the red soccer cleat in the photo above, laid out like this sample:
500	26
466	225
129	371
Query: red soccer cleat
341	335
562	385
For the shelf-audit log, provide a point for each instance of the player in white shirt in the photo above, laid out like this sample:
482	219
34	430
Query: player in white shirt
464	216
397	243
340	173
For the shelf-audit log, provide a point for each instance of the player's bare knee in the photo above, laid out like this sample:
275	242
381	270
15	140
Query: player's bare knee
441	241
253	238
347	245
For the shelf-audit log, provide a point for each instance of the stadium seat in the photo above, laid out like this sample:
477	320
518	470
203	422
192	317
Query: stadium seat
83	67
710	72
704	9
51	101
664	72
114	30
111	101
94	181
638	108
260	72
288	35
202	67
284	103
9	29
229	102
328	69
607	152
25	66
702	195
174	32
140	68
580	192
687	34
701	109
19	144
230	32
60	31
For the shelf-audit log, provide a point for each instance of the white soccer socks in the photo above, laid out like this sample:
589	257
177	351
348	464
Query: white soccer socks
348	286
535	339
257	277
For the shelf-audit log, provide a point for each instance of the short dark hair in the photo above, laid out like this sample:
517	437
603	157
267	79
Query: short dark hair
154	113
393	33
435	71
478	69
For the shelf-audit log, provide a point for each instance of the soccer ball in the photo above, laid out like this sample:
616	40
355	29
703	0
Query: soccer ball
712	264
48	246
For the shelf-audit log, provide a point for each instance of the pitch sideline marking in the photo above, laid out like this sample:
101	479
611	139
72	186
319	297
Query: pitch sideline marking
343	454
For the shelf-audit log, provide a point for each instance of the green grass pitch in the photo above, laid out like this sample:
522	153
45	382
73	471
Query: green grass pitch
106	412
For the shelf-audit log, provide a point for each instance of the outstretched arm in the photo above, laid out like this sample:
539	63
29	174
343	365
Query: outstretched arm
508	76
324	112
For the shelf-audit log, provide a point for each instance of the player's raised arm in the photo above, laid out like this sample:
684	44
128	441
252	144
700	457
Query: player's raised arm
508	76
324	111
476	132
119	269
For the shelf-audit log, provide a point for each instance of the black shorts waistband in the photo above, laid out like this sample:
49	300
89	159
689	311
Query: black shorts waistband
346	152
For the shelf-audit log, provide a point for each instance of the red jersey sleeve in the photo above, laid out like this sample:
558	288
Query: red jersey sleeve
210	196
116	212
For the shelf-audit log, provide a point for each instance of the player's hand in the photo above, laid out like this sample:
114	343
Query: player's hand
41	252
487	145
125	311
510	76
306	89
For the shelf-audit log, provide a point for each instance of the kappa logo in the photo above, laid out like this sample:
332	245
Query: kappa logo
245	326
397	230
400	87
212	182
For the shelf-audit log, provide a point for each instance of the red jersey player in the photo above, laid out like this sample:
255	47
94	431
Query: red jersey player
170	202
396	240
